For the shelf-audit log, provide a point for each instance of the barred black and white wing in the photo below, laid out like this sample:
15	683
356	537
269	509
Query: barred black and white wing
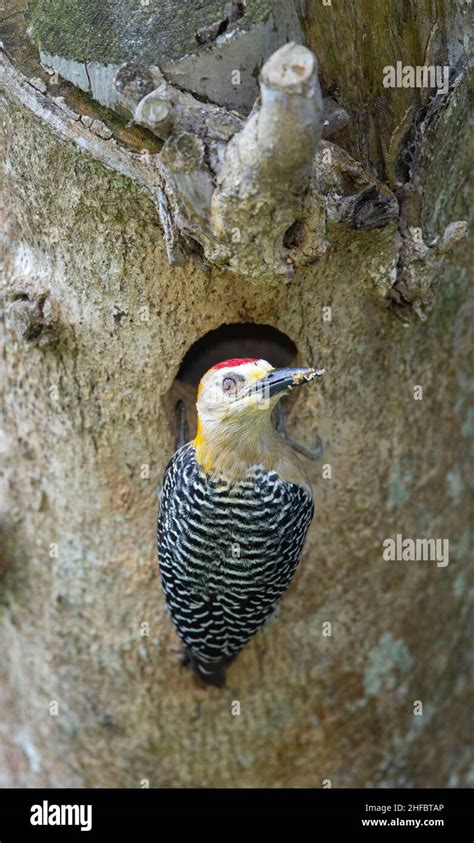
227	553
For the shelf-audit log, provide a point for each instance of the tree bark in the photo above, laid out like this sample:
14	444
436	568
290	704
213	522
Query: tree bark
96	325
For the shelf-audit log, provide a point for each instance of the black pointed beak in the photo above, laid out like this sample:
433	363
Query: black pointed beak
279	381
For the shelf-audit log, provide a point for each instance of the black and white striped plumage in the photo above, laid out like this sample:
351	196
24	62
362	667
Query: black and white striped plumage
227	554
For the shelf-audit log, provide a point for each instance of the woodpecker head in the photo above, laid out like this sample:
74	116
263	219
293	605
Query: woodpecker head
234	406
239	391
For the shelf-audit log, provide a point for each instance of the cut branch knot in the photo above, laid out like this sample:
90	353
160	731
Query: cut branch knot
31	318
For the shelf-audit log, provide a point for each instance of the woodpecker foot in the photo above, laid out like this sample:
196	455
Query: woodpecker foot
182	424
311	453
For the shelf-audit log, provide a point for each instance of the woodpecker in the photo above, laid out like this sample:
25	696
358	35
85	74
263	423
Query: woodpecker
234	512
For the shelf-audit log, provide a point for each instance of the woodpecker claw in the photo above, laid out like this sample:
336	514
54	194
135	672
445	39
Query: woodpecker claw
311	453
314	453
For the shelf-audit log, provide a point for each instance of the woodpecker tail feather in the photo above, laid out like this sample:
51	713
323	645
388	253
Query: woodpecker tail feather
213	673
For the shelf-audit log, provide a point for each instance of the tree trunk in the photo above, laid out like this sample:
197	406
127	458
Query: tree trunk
97	323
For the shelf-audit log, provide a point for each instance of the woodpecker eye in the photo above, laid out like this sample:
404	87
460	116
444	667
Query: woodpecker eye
229	383
232	383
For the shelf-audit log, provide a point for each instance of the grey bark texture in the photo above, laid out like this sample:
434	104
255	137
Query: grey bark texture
96	324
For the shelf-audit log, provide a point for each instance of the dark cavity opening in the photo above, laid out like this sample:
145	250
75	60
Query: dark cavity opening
244	339
295	235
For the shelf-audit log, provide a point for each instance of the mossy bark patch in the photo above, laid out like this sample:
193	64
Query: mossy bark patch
114	31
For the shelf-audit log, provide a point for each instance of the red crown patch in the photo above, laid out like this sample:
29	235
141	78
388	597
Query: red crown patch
236	361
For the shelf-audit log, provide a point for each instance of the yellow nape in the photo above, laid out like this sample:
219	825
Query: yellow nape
199	443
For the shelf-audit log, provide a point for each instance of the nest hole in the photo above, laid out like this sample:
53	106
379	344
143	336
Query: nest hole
244	339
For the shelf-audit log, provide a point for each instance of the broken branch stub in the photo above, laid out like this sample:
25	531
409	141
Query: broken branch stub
266	170
156	104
